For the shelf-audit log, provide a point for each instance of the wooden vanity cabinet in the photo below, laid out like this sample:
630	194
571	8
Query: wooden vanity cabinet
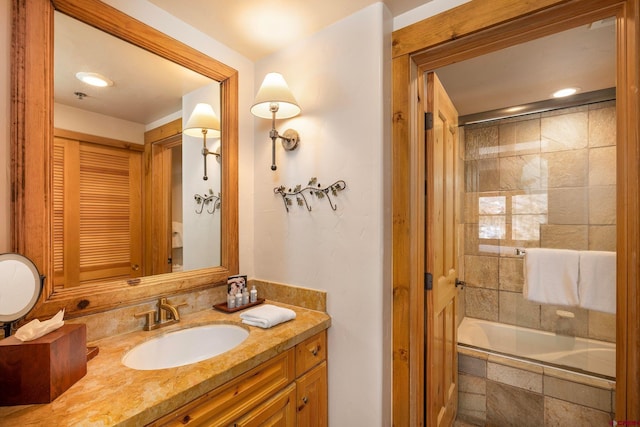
288	390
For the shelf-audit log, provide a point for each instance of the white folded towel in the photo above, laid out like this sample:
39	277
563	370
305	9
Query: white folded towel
267	315
597	283
551	276
36	329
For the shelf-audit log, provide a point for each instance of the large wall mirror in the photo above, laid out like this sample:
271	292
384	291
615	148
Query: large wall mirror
101	200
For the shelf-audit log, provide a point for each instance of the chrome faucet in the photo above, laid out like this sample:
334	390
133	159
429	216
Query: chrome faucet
165	315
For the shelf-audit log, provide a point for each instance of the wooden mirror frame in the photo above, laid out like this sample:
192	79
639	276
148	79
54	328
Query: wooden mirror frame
31	148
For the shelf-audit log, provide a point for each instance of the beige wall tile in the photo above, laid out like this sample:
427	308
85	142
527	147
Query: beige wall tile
602	238
602	326
602	126
515	310
481	271
564	236
560	413
602	166
567	168
511	274
592	397
474	245
470	211
481	303
511	406
481	141
482	175
568	206
472	366
520	173
514	377
550	321
519	137
602	205
564	132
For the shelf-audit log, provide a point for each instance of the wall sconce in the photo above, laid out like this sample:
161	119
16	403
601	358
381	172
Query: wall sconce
275	100
202	122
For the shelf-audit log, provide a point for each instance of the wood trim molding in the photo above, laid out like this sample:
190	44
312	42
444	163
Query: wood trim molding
472	29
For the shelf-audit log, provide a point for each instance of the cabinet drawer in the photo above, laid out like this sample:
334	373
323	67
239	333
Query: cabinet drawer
280	410
311	352
235	398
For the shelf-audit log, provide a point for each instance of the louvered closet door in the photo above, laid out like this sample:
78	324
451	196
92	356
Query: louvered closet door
97	212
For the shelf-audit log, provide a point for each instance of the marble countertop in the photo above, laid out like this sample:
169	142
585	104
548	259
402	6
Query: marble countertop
112	394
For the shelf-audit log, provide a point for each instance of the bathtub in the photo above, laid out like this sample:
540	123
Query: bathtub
581	354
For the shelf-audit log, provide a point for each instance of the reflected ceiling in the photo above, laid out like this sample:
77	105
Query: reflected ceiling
135	96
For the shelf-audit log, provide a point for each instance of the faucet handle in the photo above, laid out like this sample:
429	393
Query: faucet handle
151	318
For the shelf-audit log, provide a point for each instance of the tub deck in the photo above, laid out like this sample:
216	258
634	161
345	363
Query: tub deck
582	354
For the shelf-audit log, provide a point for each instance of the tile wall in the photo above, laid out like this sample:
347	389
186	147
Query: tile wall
499	391
540	180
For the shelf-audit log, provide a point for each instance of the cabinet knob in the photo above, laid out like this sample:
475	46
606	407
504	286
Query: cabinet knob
315	350
305	400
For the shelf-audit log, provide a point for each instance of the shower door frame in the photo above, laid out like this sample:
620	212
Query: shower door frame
467	31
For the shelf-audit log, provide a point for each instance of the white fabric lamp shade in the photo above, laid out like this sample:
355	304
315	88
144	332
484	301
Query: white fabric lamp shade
203	117
274	89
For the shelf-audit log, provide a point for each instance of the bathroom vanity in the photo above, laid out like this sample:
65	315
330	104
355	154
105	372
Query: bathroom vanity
275	374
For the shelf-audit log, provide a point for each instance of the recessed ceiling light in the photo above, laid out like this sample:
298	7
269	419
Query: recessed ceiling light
94	79
565	92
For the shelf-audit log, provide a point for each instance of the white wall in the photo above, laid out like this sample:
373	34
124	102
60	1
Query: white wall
338	77
427	10
201	231
75	119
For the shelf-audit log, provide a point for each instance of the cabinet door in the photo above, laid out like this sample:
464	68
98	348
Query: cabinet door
311	352
311	399
279	411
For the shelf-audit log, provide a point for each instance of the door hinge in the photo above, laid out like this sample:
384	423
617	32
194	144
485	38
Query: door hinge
428	281
428	121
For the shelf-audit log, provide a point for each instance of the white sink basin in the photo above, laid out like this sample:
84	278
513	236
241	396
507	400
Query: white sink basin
184	347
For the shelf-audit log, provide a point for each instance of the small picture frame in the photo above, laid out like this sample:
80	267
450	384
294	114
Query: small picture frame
236	284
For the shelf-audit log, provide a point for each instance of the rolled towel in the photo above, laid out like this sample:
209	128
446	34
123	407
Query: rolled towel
267	315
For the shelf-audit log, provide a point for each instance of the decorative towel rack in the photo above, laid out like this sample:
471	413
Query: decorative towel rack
313	188
212	199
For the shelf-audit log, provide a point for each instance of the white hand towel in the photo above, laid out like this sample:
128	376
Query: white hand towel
551	276
267	315
597	283
36	329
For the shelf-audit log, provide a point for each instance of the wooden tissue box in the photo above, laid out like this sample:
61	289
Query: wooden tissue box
38	371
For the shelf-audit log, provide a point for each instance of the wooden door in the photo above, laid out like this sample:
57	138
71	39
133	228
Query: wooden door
441	370
97	212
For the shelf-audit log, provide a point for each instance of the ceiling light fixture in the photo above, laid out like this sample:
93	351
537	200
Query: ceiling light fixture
94	79
274	99
565	92
202	122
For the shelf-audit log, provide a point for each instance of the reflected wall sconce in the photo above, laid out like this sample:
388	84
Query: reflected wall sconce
202	122
275	100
